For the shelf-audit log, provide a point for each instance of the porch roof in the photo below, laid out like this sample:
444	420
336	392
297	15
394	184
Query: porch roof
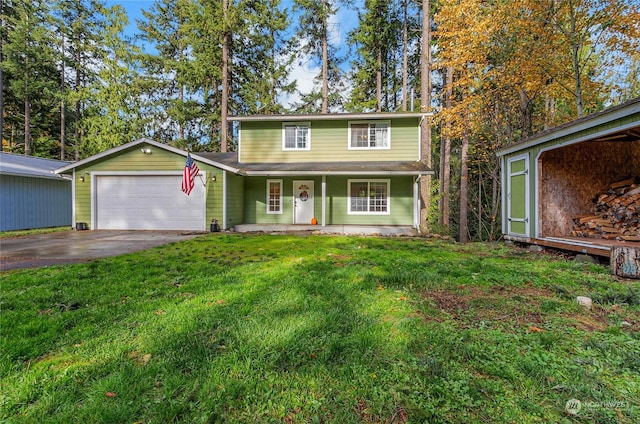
320	168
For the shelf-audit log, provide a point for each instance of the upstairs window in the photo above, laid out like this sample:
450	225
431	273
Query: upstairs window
369	135
296	136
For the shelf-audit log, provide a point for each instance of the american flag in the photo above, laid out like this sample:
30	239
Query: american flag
189	174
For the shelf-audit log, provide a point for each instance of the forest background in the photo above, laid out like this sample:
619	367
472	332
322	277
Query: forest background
78	77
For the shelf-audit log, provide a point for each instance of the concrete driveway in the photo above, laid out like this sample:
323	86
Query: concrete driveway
79	246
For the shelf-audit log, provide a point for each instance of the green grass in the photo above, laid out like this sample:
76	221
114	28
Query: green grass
240	328
35	231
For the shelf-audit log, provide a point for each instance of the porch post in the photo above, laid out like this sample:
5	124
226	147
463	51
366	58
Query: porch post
324	200
416	203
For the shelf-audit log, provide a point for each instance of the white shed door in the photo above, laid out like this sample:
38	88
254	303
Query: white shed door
148	202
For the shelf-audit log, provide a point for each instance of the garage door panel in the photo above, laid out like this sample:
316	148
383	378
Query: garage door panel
149	202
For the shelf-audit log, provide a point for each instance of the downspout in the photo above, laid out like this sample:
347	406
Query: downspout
416	203
224	200
73	199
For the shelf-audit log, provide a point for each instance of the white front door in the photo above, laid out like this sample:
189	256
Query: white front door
303	202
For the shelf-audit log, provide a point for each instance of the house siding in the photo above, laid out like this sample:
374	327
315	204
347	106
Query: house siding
261	142
235	200
400	194
133	160
28	202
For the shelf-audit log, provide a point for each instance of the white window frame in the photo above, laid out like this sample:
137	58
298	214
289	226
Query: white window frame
369	123
268	202
368	196
298	125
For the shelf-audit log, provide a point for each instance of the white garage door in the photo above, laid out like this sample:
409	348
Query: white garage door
148	202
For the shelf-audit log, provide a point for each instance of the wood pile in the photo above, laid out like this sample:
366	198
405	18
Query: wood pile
616	214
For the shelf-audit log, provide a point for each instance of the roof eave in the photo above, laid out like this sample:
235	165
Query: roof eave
333	173
144	141
330	116
580	125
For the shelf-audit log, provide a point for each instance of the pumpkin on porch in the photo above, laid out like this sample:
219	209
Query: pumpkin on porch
314	221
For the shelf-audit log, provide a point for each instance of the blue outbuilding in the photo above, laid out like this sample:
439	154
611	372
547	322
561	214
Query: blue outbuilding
31	194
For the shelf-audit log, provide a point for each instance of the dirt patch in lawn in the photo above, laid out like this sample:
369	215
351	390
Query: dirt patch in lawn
519	307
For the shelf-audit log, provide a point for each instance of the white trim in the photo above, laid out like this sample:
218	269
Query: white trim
298	125
503	193
320	173
239	142
580	125
368	181
324	201
280	211
416	203
225	225
369	122
527	203
73	199
330	116
151	143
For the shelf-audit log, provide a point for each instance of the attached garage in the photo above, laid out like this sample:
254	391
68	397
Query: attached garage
553	181
137	186
147	202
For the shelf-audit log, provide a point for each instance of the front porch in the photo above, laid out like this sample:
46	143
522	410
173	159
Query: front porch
382	230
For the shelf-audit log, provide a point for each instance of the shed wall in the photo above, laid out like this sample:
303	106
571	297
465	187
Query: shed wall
28	202
570	178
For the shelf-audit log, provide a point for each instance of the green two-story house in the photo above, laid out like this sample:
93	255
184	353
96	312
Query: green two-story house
338	172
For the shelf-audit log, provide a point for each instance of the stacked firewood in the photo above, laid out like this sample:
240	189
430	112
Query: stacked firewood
616	214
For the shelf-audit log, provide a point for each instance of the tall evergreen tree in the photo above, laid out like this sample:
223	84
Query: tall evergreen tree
112	114
81	28
172	109
313	32
262	59
31	75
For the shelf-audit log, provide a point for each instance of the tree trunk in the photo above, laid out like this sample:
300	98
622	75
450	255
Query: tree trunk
405	55
425	106
225	79
464	188
63	114
379	80
325	58
575	50
27	125
625	262
445	156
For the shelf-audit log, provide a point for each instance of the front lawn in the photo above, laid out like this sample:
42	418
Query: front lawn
295	329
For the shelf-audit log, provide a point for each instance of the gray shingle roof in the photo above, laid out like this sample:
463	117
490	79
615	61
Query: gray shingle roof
319	168
29	166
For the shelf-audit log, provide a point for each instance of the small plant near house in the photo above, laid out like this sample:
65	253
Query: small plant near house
254	328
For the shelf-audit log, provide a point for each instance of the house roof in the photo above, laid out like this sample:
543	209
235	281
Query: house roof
195	156
29	166
229	162
320	168
629	131
329	116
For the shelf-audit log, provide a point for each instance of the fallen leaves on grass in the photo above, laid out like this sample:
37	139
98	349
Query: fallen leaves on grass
110	394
